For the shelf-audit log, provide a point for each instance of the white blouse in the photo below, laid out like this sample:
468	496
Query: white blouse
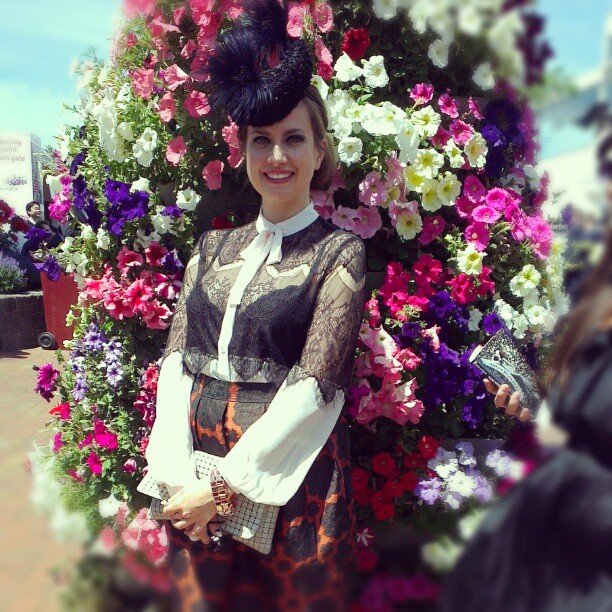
273	456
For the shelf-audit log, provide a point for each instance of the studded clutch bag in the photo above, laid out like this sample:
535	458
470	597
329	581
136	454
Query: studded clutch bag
501	360
251	523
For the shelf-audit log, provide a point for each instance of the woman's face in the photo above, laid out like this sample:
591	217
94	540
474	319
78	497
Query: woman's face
281	159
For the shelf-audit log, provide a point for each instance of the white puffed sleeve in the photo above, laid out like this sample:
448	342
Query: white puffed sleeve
272	458
169	453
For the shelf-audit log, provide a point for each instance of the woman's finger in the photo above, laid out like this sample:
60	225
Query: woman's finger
501	396
513	404
489	386
182	524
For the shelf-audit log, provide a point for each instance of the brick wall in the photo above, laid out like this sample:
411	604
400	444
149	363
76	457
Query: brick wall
22	319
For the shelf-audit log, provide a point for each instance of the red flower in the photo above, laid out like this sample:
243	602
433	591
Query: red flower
428	447
18	225
363	496
384	464
221	223
62	410
413	461
356	42
366	559
360	478
384	512
409	481
393	489
6	212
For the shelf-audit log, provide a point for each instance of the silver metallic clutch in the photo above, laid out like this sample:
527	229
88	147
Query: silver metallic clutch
251	523
502	362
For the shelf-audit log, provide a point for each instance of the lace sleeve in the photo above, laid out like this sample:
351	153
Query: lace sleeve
178	329
329	350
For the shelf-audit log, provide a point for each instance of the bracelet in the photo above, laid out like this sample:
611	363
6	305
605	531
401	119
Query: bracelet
222	496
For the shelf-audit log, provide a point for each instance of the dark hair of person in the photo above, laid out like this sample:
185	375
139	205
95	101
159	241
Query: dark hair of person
31	205
42	224
319	121
590	314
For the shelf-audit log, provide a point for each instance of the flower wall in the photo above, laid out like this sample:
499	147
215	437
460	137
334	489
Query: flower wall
436	150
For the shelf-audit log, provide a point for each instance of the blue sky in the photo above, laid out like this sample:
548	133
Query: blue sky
39	39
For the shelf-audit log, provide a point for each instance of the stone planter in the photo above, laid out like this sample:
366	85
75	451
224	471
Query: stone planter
22	319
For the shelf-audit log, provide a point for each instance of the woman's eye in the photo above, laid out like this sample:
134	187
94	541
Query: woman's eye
295	138
260	140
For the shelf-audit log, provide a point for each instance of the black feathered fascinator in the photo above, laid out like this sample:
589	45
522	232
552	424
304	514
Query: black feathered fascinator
258	73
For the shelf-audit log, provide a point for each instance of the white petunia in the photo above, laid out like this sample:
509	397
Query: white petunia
55	184
444	463
441	555
449	188
461	484
438	53
428	162
87	232
520	325
380	120
123	96
142	184
426	121
408	224
109	506
483	77
143	240
349	150
346	70
408	141
469	20
187	199
374	72
102	240
413	179
161	223
537	316
476	150
430	200
505	311
475	319
321	85
469	260
125	131
525	281
385	9
469	523
454	154
145	146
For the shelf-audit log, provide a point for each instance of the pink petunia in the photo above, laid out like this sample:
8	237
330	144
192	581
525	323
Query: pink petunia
368	222
325	70
154	254
498	198
166	107
432	228
128	259
323	203
485	214
395	170
142	82
130	466
131	40
422	93
409	360
156	315
296	18
178	14
372	190
473	189
167	287
427	270
137	295
441	137
432	334
196	104
344	218
95	465
189	49
464	207
103	437
478	235
57	442
86	441
136	7
448	106
212	174
174	77
323	17
540	236
176	150
461	132
475	109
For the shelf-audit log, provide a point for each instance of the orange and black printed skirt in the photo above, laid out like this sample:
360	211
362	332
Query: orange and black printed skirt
311	563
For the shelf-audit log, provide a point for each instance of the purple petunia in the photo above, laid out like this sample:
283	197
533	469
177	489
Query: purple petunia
171	262
172	211
50	267
491	323
47	381
94	339
429	490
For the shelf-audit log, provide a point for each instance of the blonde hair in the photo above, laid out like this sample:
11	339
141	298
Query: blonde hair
319	121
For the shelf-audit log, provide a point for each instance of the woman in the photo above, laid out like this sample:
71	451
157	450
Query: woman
260	353
547	546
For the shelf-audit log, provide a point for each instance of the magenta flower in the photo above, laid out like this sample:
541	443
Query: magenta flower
129	466
473	189
154	254
498	198
475	109
422	93
95	465
464	207
47	381
57	442
461	132
478	235
86	441
104	437
485	214
432	228
448	106
128	259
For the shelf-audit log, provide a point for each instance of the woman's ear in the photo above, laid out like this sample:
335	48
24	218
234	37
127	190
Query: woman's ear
321	150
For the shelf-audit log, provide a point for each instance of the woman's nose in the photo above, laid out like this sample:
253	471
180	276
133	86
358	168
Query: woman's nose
277	154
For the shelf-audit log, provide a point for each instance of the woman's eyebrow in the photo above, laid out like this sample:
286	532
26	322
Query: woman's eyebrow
266	133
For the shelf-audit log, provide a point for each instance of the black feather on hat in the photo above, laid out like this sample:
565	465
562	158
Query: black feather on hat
259	74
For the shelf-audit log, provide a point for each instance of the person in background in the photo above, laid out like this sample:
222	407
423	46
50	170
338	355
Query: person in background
546	546
41	233
34	213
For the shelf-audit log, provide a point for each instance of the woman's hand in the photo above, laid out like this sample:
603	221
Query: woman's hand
511	405
191	509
